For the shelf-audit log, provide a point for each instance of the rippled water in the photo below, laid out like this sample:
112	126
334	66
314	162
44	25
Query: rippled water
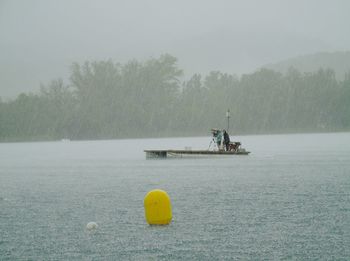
289	199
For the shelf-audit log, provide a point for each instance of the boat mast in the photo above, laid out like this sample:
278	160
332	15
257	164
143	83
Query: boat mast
228	119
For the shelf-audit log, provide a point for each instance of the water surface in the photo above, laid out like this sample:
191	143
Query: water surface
289	199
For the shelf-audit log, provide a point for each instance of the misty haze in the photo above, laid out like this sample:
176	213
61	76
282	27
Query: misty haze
247	103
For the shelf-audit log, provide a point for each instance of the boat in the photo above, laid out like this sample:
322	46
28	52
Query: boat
234	148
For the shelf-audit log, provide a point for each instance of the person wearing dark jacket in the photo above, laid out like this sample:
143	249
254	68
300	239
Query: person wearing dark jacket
226	140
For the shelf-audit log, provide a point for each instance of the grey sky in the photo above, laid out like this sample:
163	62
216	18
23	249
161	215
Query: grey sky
39	39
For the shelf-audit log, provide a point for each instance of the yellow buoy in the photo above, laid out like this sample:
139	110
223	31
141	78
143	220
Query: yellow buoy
157	207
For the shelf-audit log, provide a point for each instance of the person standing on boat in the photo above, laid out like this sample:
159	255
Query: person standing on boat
226	140
219	140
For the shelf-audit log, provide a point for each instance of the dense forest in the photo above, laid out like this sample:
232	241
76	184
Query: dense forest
107	100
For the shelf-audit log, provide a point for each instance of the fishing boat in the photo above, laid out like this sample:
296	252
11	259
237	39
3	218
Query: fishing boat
232	148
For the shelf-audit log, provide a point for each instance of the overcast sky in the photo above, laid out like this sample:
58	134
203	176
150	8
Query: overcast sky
39	39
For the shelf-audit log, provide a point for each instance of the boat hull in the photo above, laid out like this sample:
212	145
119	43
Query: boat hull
166	153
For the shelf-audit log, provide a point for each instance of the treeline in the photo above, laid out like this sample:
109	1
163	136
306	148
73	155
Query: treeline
105	100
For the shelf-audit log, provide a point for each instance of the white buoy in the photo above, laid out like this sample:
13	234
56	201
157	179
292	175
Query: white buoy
91	226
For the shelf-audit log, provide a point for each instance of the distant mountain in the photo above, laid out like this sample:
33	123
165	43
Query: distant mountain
338	61
239	51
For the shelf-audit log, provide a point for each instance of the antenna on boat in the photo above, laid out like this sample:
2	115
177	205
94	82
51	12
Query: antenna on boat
228	119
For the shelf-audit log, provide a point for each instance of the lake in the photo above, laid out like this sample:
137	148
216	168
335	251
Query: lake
289	199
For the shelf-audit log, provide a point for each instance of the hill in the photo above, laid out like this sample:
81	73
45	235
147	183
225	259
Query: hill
338	61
